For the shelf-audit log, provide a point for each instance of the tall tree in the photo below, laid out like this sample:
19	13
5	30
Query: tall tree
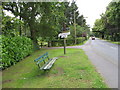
50	16
27	11
109	22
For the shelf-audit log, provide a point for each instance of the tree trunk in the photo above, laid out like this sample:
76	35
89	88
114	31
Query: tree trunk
49	44
41	45
20	23
33	36
20	28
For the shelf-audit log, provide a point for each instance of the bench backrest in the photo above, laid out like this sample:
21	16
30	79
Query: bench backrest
41	58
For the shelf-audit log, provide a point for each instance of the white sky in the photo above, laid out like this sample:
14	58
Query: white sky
8	13
92	9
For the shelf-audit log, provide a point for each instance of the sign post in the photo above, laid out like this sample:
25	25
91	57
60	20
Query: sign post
64	45
64	36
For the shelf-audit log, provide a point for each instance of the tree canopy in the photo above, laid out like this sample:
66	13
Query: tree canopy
41	19
108	25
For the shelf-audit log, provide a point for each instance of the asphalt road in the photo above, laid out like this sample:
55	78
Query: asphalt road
104	56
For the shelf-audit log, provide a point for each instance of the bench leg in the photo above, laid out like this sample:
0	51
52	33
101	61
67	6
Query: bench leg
45	70
39	66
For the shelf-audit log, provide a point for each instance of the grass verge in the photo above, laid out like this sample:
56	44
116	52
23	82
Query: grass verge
82	43
114	42
72	70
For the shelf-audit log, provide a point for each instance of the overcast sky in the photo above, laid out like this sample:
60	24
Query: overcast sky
92	9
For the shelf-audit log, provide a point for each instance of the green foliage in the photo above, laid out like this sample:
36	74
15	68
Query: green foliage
69	11
81	20
10	25
45	16
14	49
108	25
51	23
113	13
80	30
44	19
99	25
69	41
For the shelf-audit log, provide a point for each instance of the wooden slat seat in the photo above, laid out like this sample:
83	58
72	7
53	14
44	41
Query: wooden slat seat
44	63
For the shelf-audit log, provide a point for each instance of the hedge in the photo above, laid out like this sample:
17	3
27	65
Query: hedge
60	42
14	49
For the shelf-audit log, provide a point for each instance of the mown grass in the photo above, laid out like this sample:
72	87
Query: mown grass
82	43
72	70
113	42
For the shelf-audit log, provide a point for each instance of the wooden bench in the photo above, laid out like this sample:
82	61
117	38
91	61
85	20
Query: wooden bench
44	63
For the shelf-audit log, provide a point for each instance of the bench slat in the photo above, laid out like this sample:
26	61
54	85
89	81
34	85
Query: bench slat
37	59
41	57
45	65
49	64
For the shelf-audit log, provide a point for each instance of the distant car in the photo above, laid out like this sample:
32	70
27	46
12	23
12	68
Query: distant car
93	38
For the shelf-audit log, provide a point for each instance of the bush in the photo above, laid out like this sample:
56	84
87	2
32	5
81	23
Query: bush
60	42
14	49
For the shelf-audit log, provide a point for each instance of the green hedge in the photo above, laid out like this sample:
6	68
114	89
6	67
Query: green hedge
14	49
68	41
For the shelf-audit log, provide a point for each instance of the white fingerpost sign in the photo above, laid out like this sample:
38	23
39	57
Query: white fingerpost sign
64	35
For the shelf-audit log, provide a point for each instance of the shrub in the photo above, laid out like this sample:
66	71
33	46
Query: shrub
60	42
14	49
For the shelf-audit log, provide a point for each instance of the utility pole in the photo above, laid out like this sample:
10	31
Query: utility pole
75	26
74	22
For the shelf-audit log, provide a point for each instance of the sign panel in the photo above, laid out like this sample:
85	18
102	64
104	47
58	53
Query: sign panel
64	35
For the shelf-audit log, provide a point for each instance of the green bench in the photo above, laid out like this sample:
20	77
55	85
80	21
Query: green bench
44	63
